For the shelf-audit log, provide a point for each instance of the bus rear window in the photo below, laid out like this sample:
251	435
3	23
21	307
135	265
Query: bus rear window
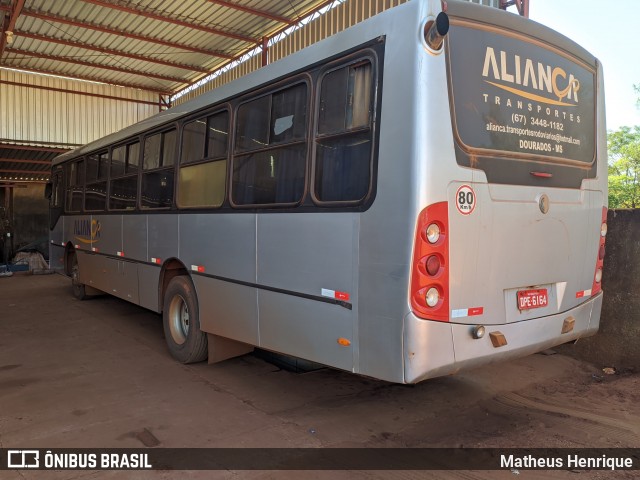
515	97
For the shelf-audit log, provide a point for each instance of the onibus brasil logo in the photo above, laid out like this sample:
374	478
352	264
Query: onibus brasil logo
87	231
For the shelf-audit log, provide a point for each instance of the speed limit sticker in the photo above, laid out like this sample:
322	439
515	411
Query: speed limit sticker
465	199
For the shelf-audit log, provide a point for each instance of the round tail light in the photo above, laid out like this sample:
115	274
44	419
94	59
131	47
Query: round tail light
433	233
433	265
432	297
598	276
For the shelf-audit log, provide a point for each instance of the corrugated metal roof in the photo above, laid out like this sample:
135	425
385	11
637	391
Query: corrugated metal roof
155	45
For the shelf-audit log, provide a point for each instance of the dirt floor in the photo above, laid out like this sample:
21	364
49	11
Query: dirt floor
97	374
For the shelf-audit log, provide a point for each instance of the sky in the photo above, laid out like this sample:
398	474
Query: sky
610	30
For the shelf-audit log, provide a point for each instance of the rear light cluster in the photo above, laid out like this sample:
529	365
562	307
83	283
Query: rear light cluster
597	277
430	269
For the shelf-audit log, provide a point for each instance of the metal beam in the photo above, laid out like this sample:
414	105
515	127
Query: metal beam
4	22
9	23
34	149
122	33
15	13
182	23
95	65
24	172
85	78
22	160
252	11
111	53
76	92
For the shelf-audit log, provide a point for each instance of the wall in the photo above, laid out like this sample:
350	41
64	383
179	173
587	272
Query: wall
617	344
41	109
30	215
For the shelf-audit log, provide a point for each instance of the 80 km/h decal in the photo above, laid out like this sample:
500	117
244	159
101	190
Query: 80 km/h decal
465	199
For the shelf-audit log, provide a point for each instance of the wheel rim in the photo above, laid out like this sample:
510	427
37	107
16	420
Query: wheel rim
179	319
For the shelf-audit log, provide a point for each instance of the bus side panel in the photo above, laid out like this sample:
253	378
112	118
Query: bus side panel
56	258
134	237
106	234
306	329
387	228
102	268
162	240
148	278
95	271
309	255
68	232
125	282
56	246
383	276
222	246
227	309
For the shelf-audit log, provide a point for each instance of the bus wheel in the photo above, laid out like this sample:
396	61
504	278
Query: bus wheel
79	290
187	343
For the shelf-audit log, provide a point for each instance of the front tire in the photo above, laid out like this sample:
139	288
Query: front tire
181	322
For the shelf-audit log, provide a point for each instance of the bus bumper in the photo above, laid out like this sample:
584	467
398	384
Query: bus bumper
433	349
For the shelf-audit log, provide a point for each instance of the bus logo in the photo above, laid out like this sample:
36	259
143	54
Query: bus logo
465	200
87	231
521	71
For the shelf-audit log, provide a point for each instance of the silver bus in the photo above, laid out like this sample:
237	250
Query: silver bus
423	192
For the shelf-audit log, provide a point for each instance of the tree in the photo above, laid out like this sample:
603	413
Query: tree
624	167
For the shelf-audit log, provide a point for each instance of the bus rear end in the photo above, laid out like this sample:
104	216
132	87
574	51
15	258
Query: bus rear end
510	262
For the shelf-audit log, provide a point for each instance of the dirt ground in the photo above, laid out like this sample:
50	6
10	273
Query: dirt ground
97	374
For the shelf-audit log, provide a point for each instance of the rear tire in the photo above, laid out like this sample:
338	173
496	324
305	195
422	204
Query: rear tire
181	322
79	290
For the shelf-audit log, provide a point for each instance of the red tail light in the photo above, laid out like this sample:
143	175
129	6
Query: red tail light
430	269
597	276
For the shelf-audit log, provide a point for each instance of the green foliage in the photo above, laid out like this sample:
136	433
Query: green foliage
624	167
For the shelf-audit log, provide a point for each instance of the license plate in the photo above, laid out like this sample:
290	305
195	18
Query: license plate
528	299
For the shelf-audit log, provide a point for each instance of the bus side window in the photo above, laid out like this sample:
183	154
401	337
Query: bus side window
56	191
203	161
95	195
75	186
344	134
271	148
158	165
123	191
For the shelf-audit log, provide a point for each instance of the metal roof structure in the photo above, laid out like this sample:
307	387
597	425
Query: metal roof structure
160	46
155	46
26	163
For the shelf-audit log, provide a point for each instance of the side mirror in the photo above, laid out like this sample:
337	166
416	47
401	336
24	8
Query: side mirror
48	190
